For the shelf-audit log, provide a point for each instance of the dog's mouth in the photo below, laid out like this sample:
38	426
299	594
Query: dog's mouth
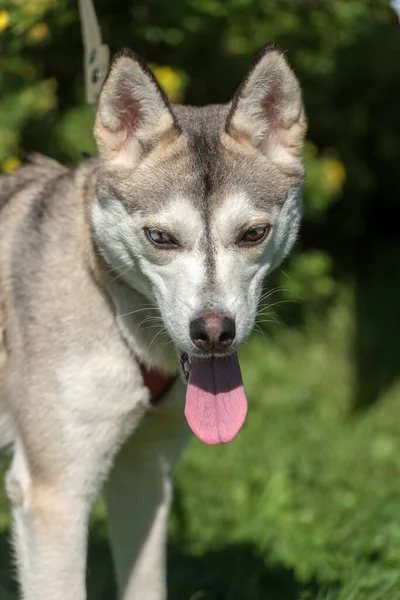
185	365
186	360
216	404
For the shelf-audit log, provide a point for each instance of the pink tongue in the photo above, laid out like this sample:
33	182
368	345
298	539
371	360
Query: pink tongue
216	405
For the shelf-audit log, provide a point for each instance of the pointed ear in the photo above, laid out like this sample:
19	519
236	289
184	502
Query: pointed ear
134	114
267	110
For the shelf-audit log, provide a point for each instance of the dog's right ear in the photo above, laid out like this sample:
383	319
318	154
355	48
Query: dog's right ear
134	114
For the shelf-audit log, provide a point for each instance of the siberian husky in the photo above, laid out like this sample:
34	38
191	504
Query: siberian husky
134	276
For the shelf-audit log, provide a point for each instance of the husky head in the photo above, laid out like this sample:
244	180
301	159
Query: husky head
196	205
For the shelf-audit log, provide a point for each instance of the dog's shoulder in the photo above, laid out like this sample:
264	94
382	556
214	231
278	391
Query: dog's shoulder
35	159
42	215
34	172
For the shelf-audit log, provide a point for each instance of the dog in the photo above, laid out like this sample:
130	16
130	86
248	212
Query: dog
127	285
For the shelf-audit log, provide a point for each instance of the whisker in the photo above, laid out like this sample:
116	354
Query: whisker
158	324
146	323
269	293
113	269
130	268
258	328
271	320
285	274
133	312
276	304
162	331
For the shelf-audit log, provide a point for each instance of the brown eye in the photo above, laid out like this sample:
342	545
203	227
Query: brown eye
254	235
161	238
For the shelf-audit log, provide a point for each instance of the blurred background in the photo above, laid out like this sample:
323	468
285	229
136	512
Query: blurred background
305	502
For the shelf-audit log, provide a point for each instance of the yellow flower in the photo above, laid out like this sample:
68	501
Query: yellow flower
4	19
11	164
39	32
334	174
170	82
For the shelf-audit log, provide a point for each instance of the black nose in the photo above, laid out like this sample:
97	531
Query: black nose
212	331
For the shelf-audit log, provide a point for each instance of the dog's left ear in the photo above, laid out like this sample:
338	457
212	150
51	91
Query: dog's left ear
267	110
134	114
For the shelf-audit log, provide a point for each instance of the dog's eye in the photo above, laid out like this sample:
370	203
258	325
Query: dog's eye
161	238
254	235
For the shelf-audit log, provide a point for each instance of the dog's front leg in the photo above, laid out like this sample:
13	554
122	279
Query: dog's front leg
63	452
139	493
49	531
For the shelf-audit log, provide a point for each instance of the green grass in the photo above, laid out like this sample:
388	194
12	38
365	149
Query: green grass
304	504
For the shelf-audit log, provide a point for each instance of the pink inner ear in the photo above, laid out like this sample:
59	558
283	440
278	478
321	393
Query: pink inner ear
127	111
272	105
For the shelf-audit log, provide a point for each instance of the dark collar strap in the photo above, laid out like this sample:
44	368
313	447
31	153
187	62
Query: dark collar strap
157	382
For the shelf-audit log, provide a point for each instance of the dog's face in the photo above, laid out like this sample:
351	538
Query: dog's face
195	205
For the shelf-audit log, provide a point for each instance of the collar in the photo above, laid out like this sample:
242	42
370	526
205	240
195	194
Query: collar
157	382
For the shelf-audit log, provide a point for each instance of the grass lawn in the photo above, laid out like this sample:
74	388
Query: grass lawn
304	504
